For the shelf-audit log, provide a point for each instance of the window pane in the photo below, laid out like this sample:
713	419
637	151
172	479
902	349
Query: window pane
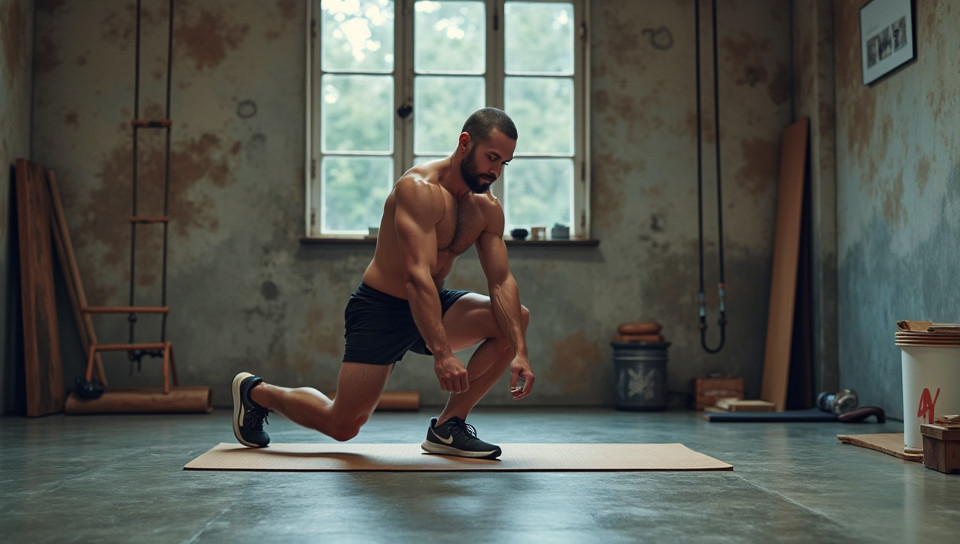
356	35
421	160
543	110
357	113
538	38
539	192
354	189
442	104
449	37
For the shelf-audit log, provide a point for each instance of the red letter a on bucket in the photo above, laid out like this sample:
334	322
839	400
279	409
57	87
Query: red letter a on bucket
927	405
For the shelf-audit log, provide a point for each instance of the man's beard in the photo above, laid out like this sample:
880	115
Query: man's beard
477	183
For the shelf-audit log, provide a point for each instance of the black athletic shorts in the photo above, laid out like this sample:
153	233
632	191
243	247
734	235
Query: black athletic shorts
380	328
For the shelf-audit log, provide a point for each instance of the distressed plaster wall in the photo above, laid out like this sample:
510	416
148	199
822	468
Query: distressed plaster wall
898	196
245	294
16	57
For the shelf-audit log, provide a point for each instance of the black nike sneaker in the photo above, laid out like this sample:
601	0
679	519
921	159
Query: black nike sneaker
248	416
457	437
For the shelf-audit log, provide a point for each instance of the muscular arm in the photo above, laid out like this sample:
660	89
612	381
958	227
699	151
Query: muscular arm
419	207
505	299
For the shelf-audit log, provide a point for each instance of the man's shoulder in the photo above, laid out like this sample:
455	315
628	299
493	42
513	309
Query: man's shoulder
419	196
416	186
488	203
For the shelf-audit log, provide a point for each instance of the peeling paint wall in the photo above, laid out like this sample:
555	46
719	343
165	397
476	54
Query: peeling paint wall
898	196
246	295
16	57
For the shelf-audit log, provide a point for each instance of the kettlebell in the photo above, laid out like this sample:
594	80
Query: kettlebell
90	390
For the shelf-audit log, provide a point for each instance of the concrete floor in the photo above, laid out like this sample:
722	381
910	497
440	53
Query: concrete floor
119	478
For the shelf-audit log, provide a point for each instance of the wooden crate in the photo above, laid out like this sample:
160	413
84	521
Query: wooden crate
941	448
711	389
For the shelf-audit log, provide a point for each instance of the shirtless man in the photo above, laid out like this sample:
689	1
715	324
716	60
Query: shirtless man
434	213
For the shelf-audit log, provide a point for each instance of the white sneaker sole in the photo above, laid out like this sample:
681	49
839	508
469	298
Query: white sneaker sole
238	409
440	449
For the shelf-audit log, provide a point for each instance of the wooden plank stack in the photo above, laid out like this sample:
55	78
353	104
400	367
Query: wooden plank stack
41	346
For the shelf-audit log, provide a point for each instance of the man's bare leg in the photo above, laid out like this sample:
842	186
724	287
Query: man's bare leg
470	321
359	387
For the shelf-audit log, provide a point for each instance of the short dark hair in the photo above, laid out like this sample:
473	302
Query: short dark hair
483	121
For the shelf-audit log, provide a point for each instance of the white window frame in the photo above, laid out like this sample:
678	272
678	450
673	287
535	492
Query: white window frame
403	75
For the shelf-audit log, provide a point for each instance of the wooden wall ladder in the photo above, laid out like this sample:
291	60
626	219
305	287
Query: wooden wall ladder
163	348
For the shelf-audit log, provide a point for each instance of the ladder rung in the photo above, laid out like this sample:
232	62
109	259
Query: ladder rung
125	310
149	219
127	347
151	123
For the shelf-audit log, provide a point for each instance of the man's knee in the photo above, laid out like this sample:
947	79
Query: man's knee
524	316
347	428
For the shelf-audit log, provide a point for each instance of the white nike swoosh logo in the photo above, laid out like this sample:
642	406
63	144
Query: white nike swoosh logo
448	440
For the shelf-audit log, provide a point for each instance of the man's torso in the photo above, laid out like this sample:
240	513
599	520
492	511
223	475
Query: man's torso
461	224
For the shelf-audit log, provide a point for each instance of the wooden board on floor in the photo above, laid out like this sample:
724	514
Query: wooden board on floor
740	405
409	457
41	341
786	254
889	443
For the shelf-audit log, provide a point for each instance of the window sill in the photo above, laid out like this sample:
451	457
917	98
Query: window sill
371	240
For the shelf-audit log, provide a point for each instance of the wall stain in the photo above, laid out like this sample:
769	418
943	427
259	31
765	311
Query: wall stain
13	40
660	38
269	290
893	202
120	28
861	126
46	56
289	10
780	87
194	162
759	170
706	126
607	199
886	127
71	119
745	53
601	101
207	40
847	35
575	361
622	47
923	173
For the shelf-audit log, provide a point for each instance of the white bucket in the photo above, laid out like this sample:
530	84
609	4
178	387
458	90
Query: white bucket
931	387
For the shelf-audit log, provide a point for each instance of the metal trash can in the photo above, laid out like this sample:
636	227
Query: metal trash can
641	375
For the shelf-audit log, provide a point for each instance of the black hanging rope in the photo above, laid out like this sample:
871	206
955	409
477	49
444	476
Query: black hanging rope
132	318
166	179
716	102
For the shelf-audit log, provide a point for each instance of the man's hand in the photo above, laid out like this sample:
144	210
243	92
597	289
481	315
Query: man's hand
521	377
452	374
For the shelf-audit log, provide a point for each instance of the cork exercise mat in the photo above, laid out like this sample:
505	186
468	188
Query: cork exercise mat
409	457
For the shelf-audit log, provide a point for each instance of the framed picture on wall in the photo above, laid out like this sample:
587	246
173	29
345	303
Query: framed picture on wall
886	37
